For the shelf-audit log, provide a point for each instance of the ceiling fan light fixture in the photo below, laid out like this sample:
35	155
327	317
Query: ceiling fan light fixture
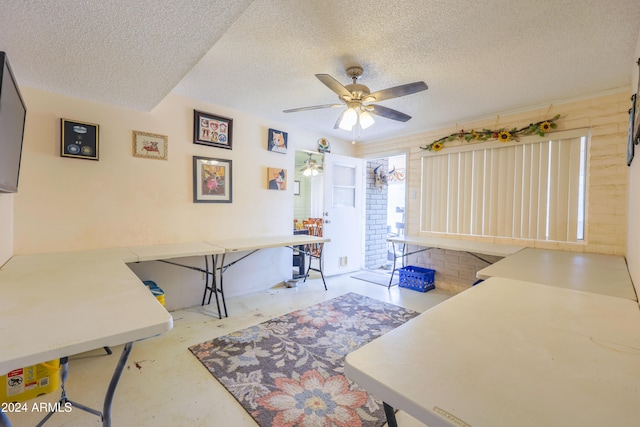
311	167
366	119
349	119
359	101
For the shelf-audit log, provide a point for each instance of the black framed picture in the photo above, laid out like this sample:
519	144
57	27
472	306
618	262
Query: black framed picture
215	131
631	137
79	140
211	180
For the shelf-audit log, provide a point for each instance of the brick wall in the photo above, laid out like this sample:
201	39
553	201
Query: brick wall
606	217
376	219
455	270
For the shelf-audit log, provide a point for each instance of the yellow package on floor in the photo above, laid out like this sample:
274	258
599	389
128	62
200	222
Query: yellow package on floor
31	381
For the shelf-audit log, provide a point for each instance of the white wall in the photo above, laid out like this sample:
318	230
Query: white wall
72	204
633	240
6	227
67	204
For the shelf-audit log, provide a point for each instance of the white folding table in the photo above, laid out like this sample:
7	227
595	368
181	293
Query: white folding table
174	250
56	306
253	244
93	300
598	273
427	243
165	252
26	262
214	253
510	353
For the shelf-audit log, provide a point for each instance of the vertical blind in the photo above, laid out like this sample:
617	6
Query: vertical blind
531	190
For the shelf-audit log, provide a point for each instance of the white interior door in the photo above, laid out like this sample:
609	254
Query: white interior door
343	214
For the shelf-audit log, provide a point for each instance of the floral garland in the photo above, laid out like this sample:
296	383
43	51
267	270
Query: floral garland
502	135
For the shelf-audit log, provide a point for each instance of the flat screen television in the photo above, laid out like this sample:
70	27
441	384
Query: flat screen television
13	113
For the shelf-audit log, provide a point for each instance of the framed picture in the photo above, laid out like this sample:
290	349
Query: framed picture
211	180
324	146
276	179
631	137
79	140
296	188
277	141
636	107
211	130
150	145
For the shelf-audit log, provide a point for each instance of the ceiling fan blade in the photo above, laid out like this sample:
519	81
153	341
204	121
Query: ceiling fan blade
334	85
389	113
395	92
314	107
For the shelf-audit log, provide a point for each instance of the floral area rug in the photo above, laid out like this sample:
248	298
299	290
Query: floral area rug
288	371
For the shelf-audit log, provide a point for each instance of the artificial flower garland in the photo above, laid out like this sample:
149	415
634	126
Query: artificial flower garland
502	135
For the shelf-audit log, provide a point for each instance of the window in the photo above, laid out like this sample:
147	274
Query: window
532	189
344	185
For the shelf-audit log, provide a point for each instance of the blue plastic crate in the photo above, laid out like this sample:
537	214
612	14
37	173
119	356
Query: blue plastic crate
417	278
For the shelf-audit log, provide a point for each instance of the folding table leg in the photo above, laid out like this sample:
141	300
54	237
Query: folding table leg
391	415
393	271
4	420
105	415
108	398
221	288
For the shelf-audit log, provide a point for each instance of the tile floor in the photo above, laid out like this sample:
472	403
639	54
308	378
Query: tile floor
165	385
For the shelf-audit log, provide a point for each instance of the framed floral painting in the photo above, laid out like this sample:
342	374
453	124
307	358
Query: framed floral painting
211	180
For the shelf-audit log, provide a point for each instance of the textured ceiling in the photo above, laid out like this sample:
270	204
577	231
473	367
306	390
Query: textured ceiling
478	58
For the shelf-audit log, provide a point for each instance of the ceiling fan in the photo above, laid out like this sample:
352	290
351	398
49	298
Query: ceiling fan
311	167
360	101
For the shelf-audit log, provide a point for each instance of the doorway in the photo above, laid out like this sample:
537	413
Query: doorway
308	187
330	203
385	208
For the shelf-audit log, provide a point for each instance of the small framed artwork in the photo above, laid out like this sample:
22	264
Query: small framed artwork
631	137
150	145
79	140
211	130
276	179
296	188
277	141
324	146
211	180
636	106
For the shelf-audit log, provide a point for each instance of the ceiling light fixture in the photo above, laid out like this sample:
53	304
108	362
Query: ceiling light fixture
353	115
361	103
349	118
366	119
311	167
